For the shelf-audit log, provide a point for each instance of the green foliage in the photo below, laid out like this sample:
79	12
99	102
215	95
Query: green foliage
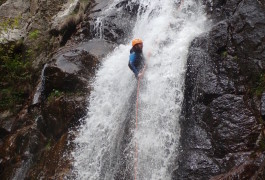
14	64
54	94
48	145
224	53
34	34
9	24
260	87
262	144
15	68
57	93
260	120
10	97
15	75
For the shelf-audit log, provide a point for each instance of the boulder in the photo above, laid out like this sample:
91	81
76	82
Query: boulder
71	69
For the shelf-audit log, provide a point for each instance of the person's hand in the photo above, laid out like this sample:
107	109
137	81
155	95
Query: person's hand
149	54
140	75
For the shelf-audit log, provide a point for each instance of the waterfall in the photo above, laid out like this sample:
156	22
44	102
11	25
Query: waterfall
40	88
105	143
98	28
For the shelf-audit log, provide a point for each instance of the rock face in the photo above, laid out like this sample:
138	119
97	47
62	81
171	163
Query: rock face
34	143
32	15
41	129
112	24
221	126
40	133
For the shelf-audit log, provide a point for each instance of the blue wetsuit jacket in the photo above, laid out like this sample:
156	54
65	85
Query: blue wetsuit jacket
136	61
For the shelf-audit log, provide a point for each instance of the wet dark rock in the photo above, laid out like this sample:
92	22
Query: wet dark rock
213	73
47	122
231	122
61	114
248	37
197	165
96	47
246	170
261	172
72	68
68	29
221	9
197	138
217	132
52	162
18	148
66	84
113	26
3	133
5	124
222	106
61	80
64	103
262	107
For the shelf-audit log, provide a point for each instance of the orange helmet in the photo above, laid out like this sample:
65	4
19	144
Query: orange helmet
137	41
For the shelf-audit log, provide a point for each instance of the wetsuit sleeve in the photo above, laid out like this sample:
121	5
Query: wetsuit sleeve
131	64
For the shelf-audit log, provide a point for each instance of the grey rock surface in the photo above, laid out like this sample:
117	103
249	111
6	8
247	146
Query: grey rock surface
221	110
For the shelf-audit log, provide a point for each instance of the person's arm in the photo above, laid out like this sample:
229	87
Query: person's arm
141	73
131	63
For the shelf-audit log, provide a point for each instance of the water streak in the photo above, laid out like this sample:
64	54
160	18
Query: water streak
40	88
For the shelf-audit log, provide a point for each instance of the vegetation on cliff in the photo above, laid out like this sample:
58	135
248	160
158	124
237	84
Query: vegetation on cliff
32	134
15	69
15	73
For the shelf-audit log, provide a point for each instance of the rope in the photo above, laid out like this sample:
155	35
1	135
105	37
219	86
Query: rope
136	122
136	118
136	110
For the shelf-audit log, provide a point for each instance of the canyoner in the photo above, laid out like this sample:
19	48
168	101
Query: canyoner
132	127
137	60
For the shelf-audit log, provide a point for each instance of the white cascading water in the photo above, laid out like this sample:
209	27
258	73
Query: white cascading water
167	27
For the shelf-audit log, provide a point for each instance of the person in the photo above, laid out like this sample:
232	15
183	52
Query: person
136	59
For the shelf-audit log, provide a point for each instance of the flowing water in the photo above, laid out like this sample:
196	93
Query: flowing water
38	94
105	146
